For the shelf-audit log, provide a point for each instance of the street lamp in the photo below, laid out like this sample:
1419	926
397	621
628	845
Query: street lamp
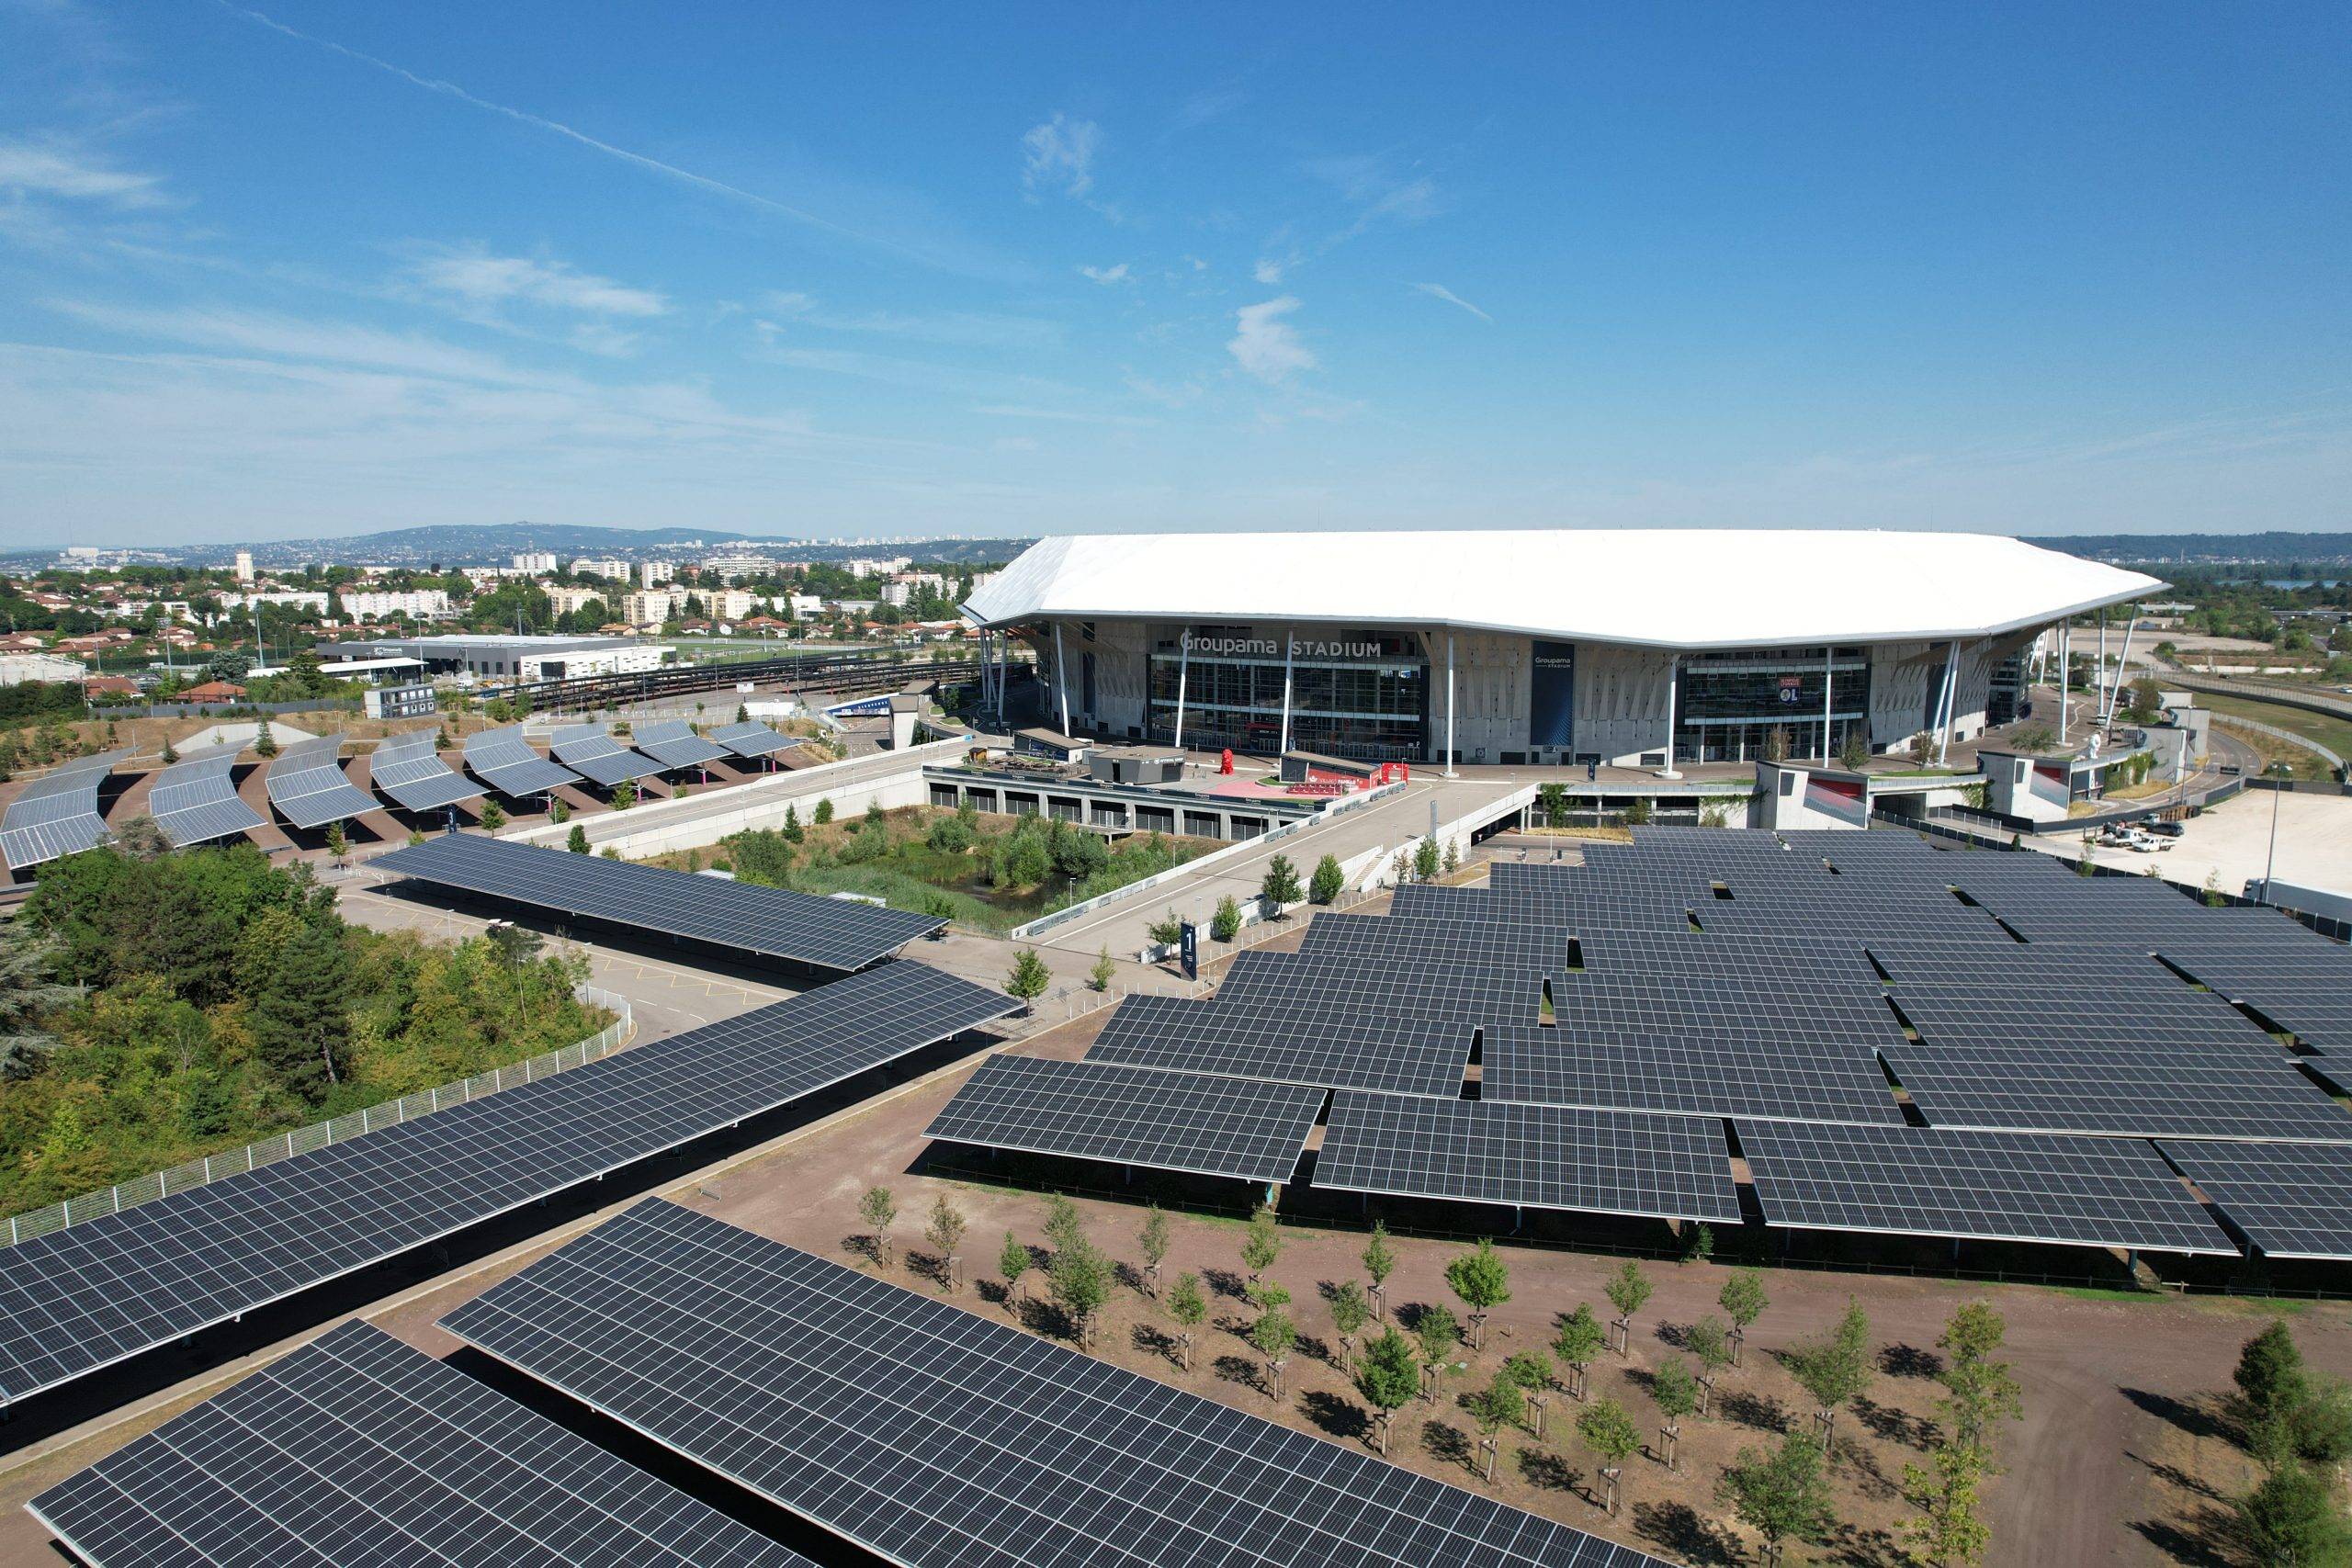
2279	772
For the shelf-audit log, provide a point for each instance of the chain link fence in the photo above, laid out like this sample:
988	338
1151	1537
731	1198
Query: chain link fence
342	1129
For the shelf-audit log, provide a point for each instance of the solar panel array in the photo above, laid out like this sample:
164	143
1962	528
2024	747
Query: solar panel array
57	814
938	1438
504	760
833	934
357	1449
409	769
752	738
1538	1156
307	783
674	743
195	800
1338	1051
2297	979
80	1298
594	755
1189	1122
1695	1073
2289	1200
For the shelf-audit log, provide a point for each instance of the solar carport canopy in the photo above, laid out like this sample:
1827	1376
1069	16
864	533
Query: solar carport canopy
504	760
752	738
409	769
674	743
936	1438
586	750
58	813
307	783
82	1298
196	799
357	1449
832	934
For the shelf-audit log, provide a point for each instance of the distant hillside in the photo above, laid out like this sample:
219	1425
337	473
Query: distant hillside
2206	548
493	543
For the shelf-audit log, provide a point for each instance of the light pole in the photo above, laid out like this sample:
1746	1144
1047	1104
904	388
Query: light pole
2279	772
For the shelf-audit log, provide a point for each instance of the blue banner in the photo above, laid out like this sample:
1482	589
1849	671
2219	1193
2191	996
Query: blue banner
1552	695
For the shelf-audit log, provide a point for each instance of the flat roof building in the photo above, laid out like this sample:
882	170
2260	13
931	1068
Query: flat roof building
510	658
1632	647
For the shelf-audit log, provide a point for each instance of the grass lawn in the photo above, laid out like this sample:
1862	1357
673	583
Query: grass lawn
2334	733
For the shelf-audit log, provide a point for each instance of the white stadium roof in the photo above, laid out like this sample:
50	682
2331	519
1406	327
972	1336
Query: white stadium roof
1661	587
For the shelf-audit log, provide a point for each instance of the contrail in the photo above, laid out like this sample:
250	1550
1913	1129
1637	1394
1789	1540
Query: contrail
523	117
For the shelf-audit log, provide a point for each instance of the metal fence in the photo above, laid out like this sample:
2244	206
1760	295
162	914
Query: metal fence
342	1129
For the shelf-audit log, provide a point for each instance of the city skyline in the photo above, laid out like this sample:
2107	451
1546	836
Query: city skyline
294	273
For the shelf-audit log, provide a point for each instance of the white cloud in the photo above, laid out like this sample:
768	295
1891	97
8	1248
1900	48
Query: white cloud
1269	271
1105	274
1059	155
52	169
1440	291
479	279
1266	345
968	328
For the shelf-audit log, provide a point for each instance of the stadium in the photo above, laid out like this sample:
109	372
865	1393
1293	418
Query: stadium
1542	647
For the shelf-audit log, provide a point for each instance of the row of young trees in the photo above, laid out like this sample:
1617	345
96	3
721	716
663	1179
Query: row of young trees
2296	1424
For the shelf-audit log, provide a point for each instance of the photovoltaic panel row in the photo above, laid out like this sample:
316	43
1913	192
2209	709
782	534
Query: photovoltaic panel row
594	755
57	814
752	738
674	743
2041	966
836	933
1436	941
2175	1094
1297	982
2153	1011
938	1438
79	1299
2289	1200
1778	958
1979	1186
195	800
1725	918
357	1449
1188	1121
504	760
1357	1050
307	784
1727	1074
409	769
1780	1009
1536	1156
2303	988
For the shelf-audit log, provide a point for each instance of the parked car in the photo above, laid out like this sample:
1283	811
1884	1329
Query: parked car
2166	830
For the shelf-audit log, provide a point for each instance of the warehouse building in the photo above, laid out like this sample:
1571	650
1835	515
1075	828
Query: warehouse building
1631	648
506	658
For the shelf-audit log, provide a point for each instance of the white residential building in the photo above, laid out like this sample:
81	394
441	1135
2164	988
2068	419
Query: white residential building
245	566
299	599
534	561
654	573
601	566
652	607
419	603
568	601
868	566
735	568
727	604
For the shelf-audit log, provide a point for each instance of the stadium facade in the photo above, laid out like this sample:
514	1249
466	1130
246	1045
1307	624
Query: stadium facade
1562	647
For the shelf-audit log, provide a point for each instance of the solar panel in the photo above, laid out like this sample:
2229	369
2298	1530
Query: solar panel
1775	959
587	751
2289	1200
1423	942
1536	1156
674	743
2173	1093
752	738
306	783
1664	1004
409	769
357	1449
57	814
1362	1050
938	1438
82	1298
2151	1011
503	760
2303	987
1982	1186
195	799
1333	983
1724	1075
832	934
1188	1121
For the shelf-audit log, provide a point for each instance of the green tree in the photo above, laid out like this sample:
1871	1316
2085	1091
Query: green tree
2269	1375
300	1016
1328	880
793	831
1028	979
1835	1367
1628	1290
1166	932
875	816
1743	1301
577	840
1531	1371
1498	1405
1978	1389
1711	1348
30	991
1427	861
1349	1312
2295	1519
1379	1262
1065	1226
338	844
944	1231
1188	1304
1437	1332
1154	1237
1677	1394
1553	799
557	812
1274	1333
493	816
1388	1378
1780	1494
1947	1529
1226	923
1482	1280
624	794
1608	1432
878	1209
265	743
1580	1339
824	811
1281	886
1099	978
1012	1262
1080	1280
1262	1243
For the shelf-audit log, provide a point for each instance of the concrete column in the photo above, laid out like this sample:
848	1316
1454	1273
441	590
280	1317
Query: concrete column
1673	670
1952	699
1061	676
1449	704
1290	652
1828	709
2065	640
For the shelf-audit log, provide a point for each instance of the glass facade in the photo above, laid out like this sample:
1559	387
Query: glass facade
1728	705
1353	694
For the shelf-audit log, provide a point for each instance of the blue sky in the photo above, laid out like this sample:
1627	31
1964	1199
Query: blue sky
886	270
